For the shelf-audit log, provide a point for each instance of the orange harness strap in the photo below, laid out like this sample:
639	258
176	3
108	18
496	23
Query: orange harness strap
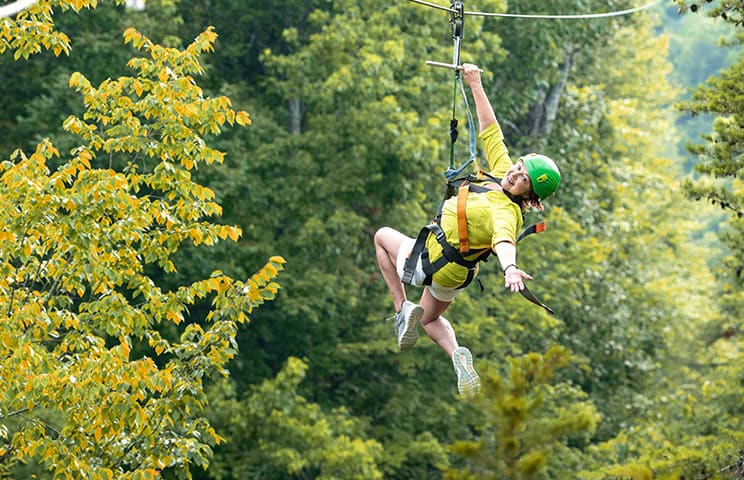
462	219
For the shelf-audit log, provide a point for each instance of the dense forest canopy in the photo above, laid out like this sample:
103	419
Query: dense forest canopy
162	165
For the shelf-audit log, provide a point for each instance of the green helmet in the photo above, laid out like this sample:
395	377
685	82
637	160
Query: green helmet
543	173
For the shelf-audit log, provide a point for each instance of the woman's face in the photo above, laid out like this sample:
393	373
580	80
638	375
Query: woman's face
516	180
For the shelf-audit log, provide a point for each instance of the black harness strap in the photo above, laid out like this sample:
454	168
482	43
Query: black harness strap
535	228
529	296
412	260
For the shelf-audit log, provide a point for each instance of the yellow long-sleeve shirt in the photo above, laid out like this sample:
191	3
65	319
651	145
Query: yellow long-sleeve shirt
491	217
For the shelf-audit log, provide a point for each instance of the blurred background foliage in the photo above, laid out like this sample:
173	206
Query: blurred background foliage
639	373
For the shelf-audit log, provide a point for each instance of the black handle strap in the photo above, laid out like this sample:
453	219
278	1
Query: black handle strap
529	296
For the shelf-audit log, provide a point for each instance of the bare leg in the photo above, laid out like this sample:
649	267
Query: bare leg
437	327
387	246
441	332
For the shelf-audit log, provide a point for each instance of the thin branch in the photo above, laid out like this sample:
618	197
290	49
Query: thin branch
17	412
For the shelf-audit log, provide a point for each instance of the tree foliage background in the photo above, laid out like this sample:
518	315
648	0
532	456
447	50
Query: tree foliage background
637	375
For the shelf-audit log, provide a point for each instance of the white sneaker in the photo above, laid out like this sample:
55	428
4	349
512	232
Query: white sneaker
406	322
468	383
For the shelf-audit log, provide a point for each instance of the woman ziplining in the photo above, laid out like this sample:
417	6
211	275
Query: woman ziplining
484	217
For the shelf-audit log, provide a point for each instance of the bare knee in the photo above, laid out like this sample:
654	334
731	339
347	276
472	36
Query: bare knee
388	239
382	234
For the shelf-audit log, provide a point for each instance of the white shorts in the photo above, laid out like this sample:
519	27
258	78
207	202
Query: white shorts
443	294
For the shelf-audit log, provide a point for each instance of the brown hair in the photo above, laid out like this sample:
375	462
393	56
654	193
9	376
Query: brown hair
525	203
532	201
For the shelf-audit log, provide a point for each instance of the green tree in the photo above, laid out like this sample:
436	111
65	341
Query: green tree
525	421
274	433
721	161
693	429
91	388
694	52
720	166
35	107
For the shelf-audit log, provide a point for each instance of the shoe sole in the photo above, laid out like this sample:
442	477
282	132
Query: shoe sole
468	382
410	335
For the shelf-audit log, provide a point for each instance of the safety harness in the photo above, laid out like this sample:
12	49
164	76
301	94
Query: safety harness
450	254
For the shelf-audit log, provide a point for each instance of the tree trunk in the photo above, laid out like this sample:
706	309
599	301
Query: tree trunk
295	116
543	113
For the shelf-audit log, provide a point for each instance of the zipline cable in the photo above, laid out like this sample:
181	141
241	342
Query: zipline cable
13	8
546	16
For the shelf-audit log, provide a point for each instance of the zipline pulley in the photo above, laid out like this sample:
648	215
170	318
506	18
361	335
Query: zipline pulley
457	19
